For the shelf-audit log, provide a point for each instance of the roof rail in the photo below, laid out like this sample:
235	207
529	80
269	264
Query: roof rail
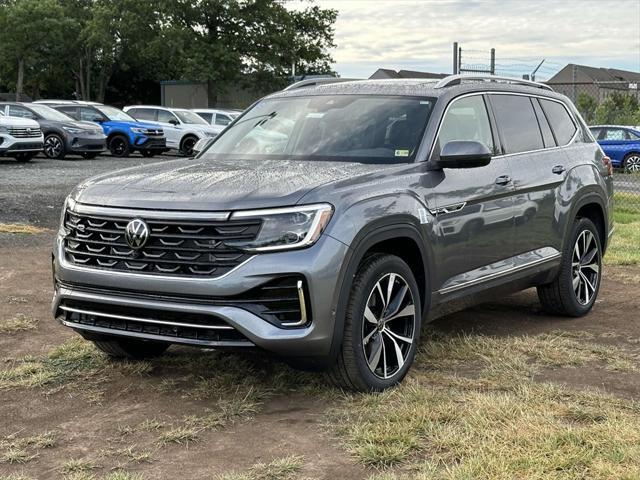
313	82
457	80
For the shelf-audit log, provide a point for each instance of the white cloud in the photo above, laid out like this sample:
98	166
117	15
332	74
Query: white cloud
418	35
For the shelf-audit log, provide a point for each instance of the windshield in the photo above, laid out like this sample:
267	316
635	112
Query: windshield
49	113
360	128
113	113
186	116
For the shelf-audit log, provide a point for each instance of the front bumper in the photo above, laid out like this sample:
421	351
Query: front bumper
190	305
88	143
150	143
10	145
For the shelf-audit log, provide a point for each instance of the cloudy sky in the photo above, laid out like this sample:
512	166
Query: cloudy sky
418	34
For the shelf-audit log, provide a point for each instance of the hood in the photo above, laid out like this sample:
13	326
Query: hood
215	185
128	124
88	126
18	122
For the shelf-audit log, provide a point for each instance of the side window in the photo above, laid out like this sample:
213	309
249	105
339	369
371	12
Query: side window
222	119
89	114
561	123
466	119
632	135
596	132
143	113
547	135
614	134
16	111
71	111
207	117
517	123
166	117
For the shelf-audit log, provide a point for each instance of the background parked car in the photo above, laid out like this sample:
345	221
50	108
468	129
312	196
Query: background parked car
621	144
217	118
20	138
62	134
182	127
124	134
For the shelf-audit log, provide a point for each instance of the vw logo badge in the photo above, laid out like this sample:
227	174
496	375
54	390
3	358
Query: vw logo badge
136	233
29	130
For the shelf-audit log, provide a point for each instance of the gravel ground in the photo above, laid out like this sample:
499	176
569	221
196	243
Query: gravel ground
33	193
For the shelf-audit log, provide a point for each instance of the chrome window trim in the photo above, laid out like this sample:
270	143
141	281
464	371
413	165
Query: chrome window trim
491	92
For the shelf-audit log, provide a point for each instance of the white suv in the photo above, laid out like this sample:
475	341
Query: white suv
217	118
182	127
20	138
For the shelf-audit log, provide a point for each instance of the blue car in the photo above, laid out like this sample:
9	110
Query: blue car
620	144
125	134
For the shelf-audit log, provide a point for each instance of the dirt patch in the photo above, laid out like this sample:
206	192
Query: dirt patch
120	427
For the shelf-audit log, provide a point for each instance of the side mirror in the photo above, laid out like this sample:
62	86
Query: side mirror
173	121
464	154
98	119
202	144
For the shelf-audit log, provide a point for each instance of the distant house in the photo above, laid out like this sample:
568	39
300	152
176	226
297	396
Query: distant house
383	73
597	82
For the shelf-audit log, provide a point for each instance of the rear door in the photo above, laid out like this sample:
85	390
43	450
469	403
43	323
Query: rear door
474	215
539	166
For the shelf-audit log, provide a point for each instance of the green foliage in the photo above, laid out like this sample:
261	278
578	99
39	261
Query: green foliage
117	48
587	105
618	109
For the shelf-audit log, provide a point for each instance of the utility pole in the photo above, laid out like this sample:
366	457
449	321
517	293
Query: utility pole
493	61
455	58
533	74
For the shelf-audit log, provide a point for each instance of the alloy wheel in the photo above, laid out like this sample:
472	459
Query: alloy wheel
632	164
388	327
52	146
187	146
585	267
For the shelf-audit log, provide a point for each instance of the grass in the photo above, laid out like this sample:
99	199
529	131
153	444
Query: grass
78	465
279	469
22	228
19	323
625	243
478	407
16	450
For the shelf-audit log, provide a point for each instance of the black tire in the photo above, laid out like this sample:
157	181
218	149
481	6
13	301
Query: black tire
561	297
119	146
54	147
89	155
187	144
130	348
147	153
24	157
632	163
351	369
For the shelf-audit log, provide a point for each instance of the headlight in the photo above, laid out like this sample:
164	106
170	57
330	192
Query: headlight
285	228
4	129
75	131
139	130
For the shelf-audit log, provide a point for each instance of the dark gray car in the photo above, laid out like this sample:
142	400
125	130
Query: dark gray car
62	134
327	223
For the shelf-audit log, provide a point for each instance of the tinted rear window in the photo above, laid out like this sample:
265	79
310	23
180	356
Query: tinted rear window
561	123
517	123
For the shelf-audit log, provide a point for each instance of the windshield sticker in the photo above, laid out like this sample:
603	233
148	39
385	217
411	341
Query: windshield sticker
315	115
402	153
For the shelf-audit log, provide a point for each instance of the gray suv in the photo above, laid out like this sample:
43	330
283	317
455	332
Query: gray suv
329	222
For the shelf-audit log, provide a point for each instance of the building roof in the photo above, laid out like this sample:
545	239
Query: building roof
386	73
587	74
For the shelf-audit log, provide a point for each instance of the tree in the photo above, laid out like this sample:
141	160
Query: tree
619	108
31	34
587	105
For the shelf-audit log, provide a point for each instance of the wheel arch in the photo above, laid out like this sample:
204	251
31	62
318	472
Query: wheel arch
395	237
591	206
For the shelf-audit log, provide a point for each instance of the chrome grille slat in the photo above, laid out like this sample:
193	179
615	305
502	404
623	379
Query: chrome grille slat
194	248
31	132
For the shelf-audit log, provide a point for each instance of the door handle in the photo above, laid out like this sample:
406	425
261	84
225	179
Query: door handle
558	169
503	180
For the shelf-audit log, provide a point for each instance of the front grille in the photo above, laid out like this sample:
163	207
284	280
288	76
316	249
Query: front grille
29	132
189	327
190	248
154	132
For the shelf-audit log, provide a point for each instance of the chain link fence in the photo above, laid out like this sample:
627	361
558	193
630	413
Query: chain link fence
612	110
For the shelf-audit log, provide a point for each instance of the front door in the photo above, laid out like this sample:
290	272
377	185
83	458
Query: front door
474	214
172	128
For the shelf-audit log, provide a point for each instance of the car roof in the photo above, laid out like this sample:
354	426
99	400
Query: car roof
421	87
